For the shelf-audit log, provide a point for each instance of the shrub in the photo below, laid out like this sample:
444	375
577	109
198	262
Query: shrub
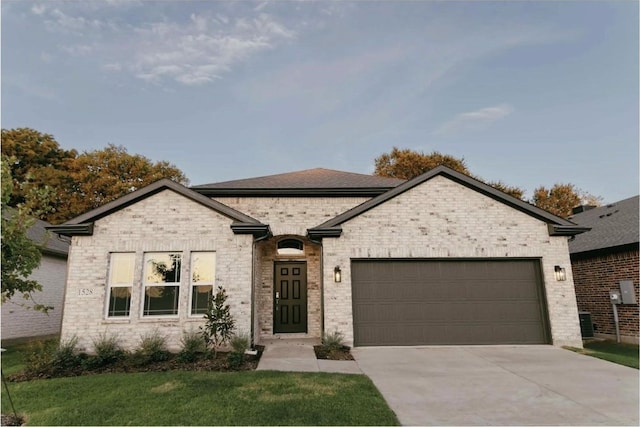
107	350
235	359
193	346
240	342
219	326
332	341
153	348
66	355
39	359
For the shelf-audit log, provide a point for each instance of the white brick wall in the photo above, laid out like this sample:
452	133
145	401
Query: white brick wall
18	322
442	219
165	221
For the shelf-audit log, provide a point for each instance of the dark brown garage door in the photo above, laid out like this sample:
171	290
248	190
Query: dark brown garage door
413	302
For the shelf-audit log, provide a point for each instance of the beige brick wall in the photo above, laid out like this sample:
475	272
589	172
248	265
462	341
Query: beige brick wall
165	221
443	219
20	322
292	215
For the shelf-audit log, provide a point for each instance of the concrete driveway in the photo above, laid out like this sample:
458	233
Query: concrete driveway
501	385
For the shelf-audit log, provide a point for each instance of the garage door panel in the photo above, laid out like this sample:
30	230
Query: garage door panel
447	302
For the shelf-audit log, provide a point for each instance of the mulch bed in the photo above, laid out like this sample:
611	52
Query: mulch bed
343	353
11	420
219	364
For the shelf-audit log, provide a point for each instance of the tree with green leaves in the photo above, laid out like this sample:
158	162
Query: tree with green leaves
218	329
20	255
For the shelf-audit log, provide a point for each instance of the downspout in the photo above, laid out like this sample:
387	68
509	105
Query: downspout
321	291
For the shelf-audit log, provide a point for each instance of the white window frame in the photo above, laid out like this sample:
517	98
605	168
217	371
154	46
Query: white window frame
193	284
111	284
145	285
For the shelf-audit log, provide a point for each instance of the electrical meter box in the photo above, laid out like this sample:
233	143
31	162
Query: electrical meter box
627	292
615	297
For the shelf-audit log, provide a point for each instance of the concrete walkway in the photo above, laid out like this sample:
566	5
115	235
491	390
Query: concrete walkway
297	355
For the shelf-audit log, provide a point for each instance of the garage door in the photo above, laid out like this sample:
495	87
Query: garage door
414	302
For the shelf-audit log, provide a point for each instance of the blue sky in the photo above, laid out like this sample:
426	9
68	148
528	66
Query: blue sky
530	93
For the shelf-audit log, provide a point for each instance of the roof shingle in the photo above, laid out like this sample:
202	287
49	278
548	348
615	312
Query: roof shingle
615	224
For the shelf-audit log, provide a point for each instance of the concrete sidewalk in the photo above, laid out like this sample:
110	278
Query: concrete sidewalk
297	355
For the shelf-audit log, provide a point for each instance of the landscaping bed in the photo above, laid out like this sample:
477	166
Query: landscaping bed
341	353
86	365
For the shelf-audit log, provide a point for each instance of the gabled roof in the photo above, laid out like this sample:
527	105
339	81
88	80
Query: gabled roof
50	243
557	226
310	182
83	224
613	225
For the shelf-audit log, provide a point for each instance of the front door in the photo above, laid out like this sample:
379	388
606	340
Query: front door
290	297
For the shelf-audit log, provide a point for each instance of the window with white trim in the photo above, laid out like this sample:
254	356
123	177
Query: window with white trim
161	283
203	275
121	271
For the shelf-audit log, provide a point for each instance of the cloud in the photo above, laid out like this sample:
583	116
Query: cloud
38	9
193	51
474	120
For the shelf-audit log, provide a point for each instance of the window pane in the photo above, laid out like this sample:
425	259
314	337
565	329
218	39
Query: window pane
162	268
119	301
200	298
203	267
161	300
122	268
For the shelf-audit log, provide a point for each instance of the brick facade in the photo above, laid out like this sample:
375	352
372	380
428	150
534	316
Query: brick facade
163	222
436	219
594	277
443	219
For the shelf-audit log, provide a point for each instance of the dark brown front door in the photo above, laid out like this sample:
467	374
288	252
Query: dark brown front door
290	297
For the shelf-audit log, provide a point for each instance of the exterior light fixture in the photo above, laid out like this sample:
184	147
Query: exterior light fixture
337	274
561	274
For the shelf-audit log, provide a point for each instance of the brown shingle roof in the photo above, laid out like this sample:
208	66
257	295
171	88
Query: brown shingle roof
316	179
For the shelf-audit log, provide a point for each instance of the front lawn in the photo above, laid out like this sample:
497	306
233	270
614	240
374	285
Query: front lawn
197	398
622	354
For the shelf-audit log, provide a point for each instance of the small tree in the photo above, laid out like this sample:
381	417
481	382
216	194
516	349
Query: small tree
218	329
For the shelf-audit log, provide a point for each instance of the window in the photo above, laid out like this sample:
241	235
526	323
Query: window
121	269
203	271
290	247
161	284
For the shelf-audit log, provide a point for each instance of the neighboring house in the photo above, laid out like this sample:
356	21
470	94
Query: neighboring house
439	259
601	259
18	322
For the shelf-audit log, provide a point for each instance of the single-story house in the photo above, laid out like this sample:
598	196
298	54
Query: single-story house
603	258
20	322
439	259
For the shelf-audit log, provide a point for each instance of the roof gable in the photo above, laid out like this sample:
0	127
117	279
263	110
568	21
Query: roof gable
310	182
613	225
83	224
557	225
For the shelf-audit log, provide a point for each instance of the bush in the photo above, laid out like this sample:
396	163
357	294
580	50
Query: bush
107	350
332	341
153	348
66	356
240	342
39	359
235	359
51	358
193	346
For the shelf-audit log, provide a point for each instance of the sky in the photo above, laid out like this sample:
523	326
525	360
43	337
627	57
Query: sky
530	93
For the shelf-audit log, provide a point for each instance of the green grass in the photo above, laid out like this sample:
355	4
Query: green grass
197	398
622	354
